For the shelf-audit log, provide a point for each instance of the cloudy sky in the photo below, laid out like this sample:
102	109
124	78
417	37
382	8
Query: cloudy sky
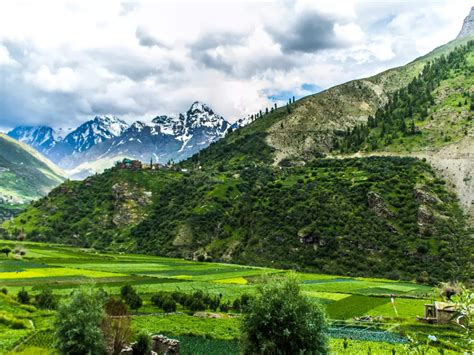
62	62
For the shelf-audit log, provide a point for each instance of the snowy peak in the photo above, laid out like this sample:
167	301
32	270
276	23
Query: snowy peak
94	132
137	126
41	137
200	107
468	25
201	115
167	125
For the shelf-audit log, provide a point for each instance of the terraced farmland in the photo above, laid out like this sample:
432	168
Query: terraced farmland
62	269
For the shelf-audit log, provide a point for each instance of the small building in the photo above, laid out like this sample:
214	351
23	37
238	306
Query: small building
439	312
129	164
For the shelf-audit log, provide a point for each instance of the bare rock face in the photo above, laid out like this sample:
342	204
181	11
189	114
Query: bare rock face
424	216
378	205
129	204
468	25
422	195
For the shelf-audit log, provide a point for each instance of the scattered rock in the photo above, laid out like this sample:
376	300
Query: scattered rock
423	196
424	216
378	206
164	345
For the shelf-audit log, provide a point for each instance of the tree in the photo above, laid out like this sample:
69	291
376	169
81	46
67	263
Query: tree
78	323
465	313
46	299
6	251
23	296
169	305
116	326
143	344
280	320
131	297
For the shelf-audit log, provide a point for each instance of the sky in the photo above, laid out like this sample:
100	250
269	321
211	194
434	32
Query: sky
63	62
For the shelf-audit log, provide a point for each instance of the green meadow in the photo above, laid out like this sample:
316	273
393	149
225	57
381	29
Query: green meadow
25	329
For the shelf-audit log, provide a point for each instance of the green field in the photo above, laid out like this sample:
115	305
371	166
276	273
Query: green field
27	330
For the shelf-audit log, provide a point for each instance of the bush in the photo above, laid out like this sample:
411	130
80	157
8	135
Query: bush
6	251
131	297
224	307
143	344
78	323
280	320
23	296
117	325
4	291
46	299
169	305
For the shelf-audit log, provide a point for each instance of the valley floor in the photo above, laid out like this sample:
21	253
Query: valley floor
63	268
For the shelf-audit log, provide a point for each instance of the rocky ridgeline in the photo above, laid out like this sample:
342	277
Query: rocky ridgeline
468	25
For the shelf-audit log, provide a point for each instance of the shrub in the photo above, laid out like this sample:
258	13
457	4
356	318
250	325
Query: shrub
131	297
143	344
224	307
46	299
280	320
6	251
78	323
23	296
169	305
4	291
236	305
116	326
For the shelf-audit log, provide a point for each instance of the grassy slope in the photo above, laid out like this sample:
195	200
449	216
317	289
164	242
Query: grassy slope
24	174
310	126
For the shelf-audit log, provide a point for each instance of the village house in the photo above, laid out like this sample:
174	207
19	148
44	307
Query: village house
439	312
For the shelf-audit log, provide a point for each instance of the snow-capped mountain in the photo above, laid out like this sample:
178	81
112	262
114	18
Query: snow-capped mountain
95	131
165	138
103	140
42	138
47	141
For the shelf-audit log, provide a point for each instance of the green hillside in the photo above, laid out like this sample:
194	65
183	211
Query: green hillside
266	194
436	108
25	175
386	217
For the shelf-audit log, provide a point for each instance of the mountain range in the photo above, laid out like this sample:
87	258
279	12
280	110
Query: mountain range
372	177
98	143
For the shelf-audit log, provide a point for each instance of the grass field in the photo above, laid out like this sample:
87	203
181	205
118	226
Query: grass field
62	268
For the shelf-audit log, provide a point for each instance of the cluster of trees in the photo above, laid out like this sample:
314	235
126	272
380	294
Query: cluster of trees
19	251
43	300
406	106
279	320
197	301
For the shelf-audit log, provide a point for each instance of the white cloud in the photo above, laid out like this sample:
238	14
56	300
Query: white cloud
64	61
62	80
5	58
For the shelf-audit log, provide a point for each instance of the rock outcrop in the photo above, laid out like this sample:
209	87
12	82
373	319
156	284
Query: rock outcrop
378	205
468	25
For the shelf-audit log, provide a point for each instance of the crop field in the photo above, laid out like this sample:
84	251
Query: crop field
25	329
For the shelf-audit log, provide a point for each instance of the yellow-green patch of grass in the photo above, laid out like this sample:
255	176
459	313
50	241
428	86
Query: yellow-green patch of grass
55	272
234	280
